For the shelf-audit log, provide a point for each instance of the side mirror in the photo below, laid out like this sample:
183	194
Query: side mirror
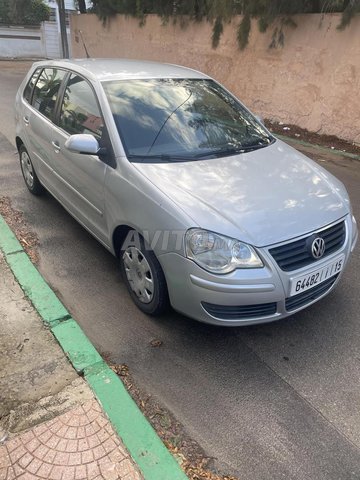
259	119
83	143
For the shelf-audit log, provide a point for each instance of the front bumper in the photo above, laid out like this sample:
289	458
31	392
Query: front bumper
247	296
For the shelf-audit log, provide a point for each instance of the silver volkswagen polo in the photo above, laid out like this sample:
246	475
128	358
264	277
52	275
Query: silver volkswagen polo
204	208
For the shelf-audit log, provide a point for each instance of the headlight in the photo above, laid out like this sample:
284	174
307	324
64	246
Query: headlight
219	254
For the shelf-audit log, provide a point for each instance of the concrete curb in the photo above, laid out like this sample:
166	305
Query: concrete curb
286	139
141	440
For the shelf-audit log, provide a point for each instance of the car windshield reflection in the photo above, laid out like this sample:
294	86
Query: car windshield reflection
181	119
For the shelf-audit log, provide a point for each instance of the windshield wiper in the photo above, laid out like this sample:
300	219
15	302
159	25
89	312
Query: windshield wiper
256	143
236	148
221	152
233	150
161	157
254	146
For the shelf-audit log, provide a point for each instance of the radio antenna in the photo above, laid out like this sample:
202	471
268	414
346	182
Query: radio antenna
84	45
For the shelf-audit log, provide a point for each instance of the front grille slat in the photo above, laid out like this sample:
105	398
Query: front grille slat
240	312
292	246
334	228
290	254
332	244
334	238
333	235
293	303
293	259
295	255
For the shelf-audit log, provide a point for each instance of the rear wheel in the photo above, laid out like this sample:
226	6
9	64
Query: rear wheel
31	180
143	276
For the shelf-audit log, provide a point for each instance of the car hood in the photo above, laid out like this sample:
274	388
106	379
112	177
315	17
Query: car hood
262	197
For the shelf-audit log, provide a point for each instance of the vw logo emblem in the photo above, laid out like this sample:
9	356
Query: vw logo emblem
318	247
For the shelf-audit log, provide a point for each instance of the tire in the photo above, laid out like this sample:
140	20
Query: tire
31	179
143	276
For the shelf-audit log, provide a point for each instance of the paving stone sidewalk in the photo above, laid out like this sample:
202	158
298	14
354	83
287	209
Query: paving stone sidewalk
80	444
51	426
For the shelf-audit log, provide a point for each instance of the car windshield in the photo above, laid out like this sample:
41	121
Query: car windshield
181	119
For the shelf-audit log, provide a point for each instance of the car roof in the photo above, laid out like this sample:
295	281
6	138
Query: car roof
121	69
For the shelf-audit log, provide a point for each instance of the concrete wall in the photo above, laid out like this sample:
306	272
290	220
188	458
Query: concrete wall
313	82
40	42
24	42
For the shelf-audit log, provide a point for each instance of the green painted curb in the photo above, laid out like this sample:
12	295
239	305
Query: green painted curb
80	351
43	298
150	454
9	243
318	147
141	440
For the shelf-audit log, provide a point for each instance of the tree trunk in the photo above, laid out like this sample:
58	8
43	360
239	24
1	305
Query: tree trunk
82	6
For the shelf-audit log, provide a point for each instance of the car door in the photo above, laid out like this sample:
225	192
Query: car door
38	118
81	177
23	108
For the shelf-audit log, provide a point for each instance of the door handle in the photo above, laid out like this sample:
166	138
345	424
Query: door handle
26	120
56	146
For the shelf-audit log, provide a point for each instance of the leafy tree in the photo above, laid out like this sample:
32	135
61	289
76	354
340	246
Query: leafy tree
23	12
351	7
268	12
4	11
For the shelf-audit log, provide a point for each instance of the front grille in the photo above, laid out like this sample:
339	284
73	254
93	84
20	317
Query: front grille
309	296
294	255
241	312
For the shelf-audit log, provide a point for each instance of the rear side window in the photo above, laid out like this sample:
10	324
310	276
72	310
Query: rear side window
80	112
46	91
30	85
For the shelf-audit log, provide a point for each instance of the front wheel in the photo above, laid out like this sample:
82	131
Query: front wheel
31	180
144	278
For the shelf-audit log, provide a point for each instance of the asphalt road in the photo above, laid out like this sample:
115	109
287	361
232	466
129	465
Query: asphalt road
268	402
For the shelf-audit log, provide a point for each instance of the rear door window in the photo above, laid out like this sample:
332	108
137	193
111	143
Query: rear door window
30	85
80	112
46	91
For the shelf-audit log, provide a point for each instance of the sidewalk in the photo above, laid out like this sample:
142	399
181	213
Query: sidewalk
51	426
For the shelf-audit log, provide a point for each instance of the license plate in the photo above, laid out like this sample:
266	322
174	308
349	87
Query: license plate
310	280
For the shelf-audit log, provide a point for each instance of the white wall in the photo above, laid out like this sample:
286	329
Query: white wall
36	42
21	42
24	42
